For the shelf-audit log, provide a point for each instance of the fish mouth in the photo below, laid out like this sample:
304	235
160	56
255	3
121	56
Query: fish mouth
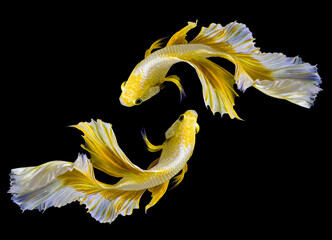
124	103
193	112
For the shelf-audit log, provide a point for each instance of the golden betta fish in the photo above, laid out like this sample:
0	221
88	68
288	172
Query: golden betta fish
57	183
272	73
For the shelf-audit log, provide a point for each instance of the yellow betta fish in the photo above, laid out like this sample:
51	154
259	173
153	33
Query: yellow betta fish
57	183
272	73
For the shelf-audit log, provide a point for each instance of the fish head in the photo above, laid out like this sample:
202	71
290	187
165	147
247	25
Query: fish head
185	124
137	90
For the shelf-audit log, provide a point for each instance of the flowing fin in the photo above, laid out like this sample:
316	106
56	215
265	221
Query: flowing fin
157	193
106	155
235	43
178	179
156	45
42	187
217	86
106	205
180	36
151	147
31	178
176	80
293	80
272	73
233	38
64	182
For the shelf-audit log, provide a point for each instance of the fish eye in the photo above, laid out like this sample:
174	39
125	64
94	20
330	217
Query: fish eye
138	101
181	118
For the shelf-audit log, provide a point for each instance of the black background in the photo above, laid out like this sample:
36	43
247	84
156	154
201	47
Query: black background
264	176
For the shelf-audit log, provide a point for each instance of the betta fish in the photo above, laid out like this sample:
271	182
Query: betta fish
272	73
57	183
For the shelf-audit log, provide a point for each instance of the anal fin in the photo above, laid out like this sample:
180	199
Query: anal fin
217	83
157	193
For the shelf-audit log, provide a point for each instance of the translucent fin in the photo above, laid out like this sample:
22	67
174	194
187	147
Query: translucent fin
233	38
106	205
180	36
106	155
30	178
43	186
156	45
176	80
63	182
157	193
293	80
217	83
235	43
178	179
272	73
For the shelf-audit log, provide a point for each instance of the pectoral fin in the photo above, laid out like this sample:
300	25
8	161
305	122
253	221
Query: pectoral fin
151	147
176	80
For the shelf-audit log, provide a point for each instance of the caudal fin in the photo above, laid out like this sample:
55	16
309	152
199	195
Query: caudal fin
57	183
291	79
272	73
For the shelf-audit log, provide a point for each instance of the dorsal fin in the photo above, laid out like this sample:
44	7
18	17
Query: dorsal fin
180	36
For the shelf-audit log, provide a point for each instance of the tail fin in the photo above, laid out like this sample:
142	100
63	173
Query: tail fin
57	183
42	187
292	79
272	73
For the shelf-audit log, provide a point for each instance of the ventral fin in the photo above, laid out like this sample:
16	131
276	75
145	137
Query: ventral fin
178	179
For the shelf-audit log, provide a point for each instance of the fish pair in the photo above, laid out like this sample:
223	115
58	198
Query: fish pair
57	183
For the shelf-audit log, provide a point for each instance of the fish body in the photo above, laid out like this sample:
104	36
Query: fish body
176	151
147	77
57	183
272	73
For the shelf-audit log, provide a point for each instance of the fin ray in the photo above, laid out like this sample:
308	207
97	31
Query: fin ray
272	73
74	182
217	83
106	155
